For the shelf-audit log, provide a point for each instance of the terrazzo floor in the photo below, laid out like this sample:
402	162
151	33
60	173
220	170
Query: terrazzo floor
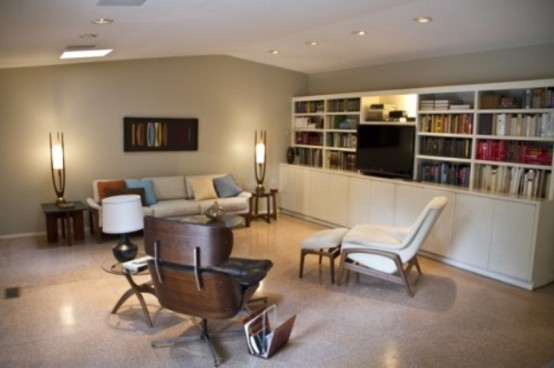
61	317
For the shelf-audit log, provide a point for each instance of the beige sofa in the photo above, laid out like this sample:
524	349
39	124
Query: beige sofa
172	196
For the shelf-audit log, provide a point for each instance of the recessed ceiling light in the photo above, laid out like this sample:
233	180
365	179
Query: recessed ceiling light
311	43
87	36
423	19
102	21
84	53
359	33
273	52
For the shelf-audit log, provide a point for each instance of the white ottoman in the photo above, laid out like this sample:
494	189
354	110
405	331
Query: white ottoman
324	243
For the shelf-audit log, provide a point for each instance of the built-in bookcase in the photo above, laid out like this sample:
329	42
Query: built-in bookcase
496	138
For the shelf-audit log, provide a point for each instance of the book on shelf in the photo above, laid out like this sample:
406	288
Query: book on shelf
265	333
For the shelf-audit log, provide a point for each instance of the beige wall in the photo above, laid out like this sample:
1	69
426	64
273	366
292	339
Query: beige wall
230	97
524	63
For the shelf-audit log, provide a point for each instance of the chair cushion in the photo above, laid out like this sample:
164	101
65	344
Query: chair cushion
323	239
374	235
168	187
248	272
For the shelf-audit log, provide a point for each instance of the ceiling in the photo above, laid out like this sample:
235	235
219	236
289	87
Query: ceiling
35	32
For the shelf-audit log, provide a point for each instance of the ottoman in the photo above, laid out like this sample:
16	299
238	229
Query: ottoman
324	243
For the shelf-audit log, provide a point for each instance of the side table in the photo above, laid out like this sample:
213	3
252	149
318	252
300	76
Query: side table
111	265
72	213
271	205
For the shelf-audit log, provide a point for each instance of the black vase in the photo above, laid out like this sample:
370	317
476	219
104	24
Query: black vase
124	250
290	155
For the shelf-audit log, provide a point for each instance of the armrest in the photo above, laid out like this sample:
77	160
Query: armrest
93	204
244	195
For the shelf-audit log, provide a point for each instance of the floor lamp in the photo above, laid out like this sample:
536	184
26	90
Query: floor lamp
57	167
260	159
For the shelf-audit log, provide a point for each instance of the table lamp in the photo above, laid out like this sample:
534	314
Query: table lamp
260	159
122	214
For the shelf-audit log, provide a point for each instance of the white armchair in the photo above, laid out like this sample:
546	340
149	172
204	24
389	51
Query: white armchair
388	252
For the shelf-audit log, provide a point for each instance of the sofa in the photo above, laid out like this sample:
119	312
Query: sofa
172	196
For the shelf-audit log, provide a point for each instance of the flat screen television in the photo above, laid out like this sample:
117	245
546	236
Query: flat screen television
386	150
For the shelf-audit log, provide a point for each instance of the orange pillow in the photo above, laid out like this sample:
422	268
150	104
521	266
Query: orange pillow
105	186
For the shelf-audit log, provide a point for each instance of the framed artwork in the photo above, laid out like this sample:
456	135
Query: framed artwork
160	134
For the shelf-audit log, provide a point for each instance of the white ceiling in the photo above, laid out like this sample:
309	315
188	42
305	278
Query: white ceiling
35	32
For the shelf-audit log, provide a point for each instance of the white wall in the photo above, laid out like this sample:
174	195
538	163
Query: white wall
230	97
524	63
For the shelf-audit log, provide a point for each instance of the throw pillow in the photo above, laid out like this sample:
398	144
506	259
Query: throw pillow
104	186
148	187
137	191
203	188
226	186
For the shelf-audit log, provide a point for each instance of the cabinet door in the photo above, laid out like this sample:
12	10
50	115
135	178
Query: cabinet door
287	187
512	238
381	210
292	186
328	197
359	209
317	204
337	199
472	231
411	200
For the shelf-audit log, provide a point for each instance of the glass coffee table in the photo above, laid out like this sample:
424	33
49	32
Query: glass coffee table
114	267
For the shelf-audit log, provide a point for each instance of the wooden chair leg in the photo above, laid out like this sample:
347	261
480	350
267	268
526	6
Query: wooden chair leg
332	266
302	256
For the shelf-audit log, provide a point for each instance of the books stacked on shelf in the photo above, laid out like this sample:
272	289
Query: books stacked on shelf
349	105
446	147
379	112
512	180
426	105
341	161
519	125
549	103
309	157
460	106
307	107
442	104
533	153
309	138
341	140
444	173
447	123
137	264
265	335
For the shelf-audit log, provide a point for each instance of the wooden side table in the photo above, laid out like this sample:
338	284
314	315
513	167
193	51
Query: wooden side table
64	217
271	205
116	268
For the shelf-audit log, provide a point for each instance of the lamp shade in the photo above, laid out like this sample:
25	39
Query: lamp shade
122	214
57	157
260	153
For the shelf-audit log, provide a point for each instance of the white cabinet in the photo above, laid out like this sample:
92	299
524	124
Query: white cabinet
293	187
472	230
508	239
512	238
